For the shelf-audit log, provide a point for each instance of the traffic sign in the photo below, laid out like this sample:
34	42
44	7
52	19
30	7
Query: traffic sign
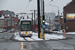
59	25
43	26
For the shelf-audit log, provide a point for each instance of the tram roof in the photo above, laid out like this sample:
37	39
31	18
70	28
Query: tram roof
25	19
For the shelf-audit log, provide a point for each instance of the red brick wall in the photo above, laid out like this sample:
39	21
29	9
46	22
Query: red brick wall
70	8
71	26
15	21
2	13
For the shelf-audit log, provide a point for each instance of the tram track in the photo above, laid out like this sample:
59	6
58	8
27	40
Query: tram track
66	43
58	41
31	44
69	38
50	48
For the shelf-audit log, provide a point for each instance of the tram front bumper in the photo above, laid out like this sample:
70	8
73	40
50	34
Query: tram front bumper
24	35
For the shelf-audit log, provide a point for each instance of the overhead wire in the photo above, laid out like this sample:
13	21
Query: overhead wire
48	2
26	6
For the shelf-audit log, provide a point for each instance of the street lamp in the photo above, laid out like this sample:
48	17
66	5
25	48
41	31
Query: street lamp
58	15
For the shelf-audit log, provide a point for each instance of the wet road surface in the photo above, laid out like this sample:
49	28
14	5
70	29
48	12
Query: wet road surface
7	44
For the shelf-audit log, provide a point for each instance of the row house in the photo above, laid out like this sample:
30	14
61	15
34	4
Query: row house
10	20
2	24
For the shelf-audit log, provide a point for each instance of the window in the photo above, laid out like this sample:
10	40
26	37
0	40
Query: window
0	15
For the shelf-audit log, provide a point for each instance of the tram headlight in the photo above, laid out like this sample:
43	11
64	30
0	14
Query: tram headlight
31	32
22	32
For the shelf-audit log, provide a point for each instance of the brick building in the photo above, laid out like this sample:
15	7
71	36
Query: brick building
9	19
69	14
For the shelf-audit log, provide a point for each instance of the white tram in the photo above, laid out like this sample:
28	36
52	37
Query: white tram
25	28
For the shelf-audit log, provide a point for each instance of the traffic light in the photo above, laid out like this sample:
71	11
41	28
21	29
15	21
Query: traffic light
43	19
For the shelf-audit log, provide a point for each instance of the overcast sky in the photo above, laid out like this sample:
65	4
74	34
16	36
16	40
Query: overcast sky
21	5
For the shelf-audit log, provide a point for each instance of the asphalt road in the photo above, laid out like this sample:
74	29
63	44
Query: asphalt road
5	36
7	44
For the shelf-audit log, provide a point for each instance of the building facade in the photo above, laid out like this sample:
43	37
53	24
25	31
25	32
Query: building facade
69	14
2	21
10	21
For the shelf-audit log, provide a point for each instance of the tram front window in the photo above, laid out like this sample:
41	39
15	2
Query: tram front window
25	27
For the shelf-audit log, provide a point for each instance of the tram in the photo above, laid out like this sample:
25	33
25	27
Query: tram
25	28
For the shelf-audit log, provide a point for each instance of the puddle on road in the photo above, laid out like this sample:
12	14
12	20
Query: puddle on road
25	46
22	47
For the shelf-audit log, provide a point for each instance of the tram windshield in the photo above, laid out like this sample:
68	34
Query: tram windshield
26	26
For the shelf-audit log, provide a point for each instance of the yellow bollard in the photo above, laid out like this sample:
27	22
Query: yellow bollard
43	36
64	33
40	35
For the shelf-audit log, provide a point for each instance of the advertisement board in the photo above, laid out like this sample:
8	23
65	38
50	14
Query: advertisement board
70	16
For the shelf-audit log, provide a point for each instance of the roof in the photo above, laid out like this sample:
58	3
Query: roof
2	17
6	12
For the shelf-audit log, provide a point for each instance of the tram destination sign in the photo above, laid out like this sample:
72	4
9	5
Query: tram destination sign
25	22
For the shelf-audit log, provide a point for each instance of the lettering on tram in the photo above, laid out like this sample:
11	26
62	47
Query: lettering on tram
25	28
25	22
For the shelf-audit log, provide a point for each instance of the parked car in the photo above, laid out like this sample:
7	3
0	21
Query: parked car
4	30
56	29
12	30
1	30
48	31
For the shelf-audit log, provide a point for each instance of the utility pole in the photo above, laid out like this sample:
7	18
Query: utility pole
32	21
34	15
38	8
49	22
42	18
59	20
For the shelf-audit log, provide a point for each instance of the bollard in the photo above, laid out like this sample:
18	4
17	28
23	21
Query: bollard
64	33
